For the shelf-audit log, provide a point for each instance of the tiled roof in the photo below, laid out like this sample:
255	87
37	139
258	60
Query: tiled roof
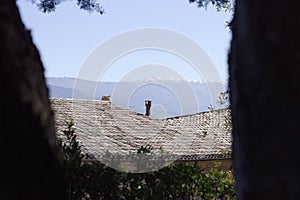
102	126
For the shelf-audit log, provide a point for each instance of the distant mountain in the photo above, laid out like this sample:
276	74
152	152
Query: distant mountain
169	97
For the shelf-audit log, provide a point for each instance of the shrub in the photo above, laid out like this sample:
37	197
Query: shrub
94	180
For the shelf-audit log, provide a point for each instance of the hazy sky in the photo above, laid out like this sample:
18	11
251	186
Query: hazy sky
66	37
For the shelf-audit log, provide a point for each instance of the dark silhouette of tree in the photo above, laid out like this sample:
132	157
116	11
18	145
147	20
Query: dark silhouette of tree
50	5
92	5
218	3
264	90
29	167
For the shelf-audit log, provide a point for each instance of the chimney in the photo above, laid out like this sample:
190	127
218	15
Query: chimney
148	106
105	98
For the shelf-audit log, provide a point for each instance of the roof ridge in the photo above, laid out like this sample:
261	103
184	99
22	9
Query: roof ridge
136	113
187	115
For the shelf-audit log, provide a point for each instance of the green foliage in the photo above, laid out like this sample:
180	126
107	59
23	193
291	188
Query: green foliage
223	98
89	179
50	5
215	184
144	160
220	4
72	163
93	6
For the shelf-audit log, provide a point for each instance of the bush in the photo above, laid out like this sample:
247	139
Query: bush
94	180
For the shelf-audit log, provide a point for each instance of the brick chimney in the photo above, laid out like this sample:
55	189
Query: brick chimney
105	98
148	107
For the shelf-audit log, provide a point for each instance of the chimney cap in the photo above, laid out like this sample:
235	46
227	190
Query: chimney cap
147	102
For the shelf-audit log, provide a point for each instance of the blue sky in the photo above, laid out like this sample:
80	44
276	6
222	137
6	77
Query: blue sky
67	36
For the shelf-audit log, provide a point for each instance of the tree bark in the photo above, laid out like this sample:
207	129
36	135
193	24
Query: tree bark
29	166
264	91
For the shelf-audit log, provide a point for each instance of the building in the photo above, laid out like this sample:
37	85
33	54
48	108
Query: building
101	126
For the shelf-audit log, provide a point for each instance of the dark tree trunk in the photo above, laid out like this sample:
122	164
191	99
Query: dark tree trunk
29	166
264	87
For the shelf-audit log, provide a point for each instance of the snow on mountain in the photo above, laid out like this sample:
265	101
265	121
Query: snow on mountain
172	97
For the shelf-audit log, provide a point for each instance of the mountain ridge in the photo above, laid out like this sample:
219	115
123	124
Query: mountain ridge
169	97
